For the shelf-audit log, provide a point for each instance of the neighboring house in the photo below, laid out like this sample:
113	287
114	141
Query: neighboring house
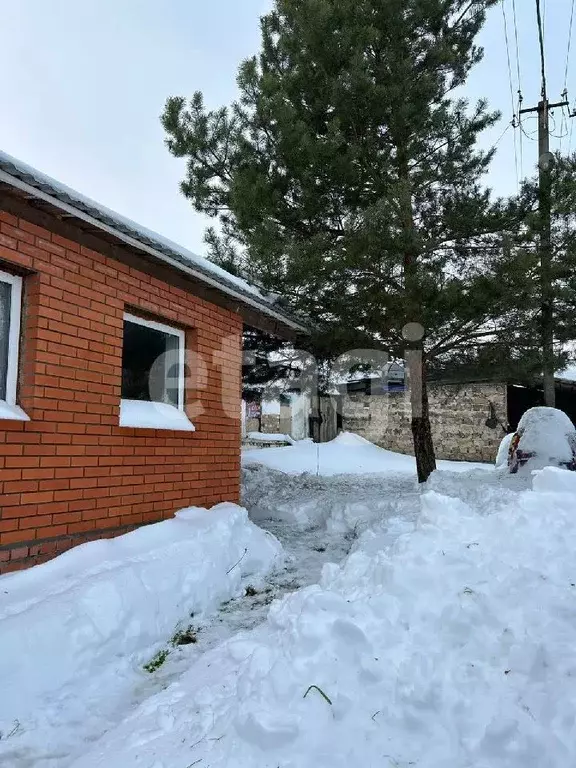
469	418
120	371
288	415
301	415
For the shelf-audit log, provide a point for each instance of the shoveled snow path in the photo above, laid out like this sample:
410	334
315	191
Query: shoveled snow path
293	508
387	638
269	495
319	520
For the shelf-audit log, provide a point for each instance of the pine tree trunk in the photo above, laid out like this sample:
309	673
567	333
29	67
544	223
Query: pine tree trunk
421	429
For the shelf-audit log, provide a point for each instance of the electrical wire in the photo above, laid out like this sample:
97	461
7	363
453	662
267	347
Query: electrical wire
499	139
507	41
515	19
521	134
570	27
542	51
532	135
571	115
518	75
571	129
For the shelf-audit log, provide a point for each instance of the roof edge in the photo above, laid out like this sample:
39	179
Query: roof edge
161	252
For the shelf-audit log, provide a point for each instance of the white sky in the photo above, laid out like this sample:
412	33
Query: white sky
83	82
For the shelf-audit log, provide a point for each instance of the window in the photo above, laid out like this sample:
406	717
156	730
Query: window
10	299
153	356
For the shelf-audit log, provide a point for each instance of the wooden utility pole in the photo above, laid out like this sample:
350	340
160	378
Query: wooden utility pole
545	162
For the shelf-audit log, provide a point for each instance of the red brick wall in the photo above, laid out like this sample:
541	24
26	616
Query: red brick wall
71	473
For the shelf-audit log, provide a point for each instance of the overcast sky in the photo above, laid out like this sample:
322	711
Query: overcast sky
83	82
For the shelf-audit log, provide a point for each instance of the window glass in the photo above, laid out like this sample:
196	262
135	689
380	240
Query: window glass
151	367
5	310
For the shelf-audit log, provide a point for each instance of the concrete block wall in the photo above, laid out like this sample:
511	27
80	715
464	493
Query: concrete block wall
458	414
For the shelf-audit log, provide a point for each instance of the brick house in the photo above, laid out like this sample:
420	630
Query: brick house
120	371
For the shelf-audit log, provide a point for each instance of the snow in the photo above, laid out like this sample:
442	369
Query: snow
443	638
428	626
549	434
272	437
146	415
75	631
504	450
346	454
12	412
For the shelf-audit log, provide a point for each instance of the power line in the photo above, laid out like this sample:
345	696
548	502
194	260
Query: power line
521	135
542	53
569	44
507	40
520	99
499	139
515	18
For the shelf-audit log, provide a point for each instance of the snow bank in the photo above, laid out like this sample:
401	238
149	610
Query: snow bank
453	647
98	611
346	454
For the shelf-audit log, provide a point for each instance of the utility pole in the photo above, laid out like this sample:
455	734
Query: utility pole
545	163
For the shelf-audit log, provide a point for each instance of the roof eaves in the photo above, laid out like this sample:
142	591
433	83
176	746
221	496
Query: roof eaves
36	184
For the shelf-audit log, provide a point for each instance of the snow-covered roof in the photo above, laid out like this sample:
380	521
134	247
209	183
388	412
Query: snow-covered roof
38	185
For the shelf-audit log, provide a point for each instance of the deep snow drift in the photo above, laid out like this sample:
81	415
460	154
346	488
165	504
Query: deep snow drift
347	454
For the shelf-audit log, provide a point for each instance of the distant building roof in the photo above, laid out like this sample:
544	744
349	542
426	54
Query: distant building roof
52	196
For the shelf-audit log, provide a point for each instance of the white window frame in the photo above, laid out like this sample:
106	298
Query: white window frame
13	334
171	331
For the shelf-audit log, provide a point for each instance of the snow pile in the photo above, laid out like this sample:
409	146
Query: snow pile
75	632
453	647
346	454
269	437
549	434
339	504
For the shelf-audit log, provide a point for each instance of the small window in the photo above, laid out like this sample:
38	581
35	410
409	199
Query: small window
10	299
153	373
152	362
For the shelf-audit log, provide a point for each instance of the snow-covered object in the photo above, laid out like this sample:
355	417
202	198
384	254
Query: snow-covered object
545	437
90	618
504	451
272	437
452	647
146	415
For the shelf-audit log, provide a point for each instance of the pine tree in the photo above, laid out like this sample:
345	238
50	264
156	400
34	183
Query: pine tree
563	240
347	178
